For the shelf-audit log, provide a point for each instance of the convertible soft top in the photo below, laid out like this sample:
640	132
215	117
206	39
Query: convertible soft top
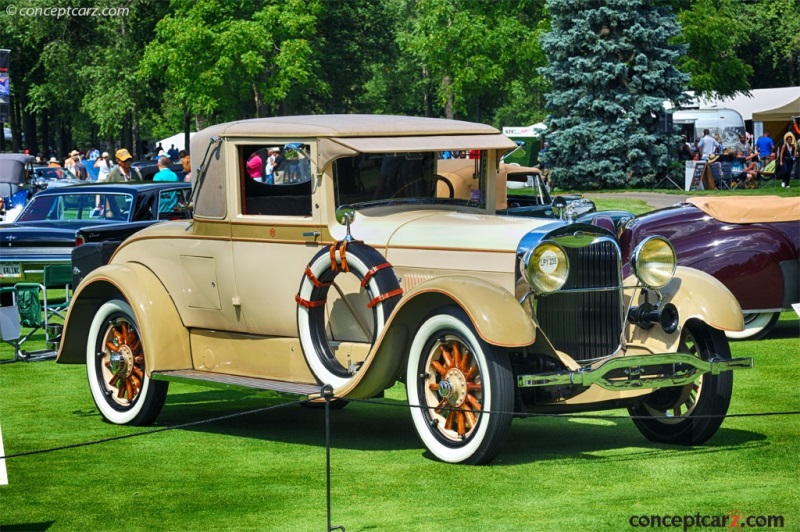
749	210
12	168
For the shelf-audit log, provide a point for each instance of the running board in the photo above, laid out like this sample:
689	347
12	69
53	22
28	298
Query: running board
219	380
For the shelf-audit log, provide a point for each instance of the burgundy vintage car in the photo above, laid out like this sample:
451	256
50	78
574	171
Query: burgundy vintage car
750	244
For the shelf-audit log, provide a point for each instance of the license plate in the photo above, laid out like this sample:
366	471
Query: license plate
10	270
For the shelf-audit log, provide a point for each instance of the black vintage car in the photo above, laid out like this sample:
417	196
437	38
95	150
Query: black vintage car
45	231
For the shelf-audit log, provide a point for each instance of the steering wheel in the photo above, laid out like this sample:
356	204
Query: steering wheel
450	190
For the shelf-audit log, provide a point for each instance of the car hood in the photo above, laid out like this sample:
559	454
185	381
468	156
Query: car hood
419	237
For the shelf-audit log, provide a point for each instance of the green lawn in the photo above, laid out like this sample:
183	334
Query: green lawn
266	471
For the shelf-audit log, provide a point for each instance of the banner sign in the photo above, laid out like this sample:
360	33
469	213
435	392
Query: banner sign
5	89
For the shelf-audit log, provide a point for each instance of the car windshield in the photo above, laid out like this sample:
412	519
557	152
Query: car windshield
52	173
78	206
379	179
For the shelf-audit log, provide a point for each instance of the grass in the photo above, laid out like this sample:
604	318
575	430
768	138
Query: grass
266	471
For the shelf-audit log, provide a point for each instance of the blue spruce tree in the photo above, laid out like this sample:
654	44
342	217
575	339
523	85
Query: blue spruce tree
611	68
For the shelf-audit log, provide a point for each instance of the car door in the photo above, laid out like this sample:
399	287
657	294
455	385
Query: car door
274	235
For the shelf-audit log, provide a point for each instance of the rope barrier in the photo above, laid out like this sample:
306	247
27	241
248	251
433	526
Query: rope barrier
148	432
391	404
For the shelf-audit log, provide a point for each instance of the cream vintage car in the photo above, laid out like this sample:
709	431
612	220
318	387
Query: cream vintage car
369	260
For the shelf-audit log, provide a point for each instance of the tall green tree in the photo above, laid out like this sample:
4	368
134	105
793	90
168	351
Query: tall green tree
611	69
467	59
773	43
230	60
714	31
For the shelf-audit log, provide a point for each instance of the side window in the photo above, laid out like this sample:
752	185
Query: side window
275	179
172	204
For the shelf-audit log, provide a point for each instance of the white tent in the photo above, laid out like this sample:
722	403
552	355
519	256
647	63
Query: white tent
762	105
177	140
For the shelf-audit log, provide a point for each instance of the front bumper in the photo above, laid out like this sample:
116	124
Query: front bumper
638	372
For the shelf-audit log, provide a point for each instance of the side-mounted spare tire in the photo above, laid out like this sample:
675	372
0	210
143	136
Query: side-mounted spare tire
378	281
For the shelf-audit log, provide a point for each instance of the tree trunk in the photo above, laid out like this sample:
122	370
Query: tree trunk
135	135
44	134
29	127
13	118
126	134
187	125
448	105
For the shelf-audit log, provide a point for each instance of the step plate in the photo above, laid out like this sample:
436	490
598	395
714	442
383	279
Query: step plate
218	380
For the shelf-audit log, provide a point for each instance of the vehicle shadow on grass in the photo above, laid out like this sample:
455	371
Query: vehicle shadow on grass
385	425
359	426
785	329
28	527
603	439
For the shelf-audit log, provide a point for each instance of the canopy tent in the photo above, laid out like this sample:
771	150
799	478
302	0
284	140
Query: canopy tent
177	140
774	108
778	104
781	113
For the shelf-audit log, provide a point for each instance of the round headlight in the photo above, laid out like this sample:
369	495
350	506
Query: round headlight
546	267
653	262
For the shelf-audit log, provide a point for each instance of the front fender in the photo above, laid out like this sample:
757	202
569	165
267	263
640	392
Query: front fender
498	318
697	295
165	339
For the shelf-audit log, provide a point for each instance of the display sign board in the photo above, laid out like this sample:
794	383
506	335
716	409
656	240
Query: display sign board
3	473
705	174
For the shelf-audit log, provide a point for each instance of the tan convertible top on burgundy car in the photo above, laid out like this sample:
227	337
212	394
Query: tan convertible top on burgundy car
757	209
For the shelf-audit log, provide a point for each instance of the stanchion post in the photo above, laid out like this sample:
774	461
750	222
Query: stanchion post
327	393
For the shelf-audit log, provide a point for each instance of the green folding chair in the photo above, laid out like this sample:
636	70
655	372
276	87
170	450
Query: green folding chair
36	310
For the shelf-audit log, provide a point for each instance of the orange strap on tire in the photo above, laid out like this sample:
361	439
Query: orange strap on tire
309	304
384	297
372	271
314	279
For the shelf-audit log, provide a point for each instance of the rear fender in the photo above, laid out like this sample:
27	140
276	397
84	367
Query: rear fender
164	337
498	318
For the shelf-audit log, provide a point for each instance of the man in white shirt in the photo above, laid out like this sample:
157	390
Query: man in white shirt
707	145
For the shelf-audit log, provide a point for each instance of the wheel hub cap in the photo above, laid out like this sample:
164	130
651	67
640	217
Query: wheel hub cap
453	387
122	361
